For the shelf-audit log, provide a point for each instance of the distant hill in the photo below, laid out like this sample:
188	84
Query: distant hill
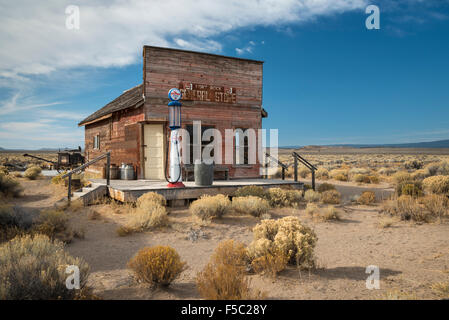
429	144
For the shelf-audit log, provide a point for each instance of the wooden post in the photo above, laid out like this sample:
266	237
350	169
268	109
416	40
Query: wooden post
69	193
296	168
283	173
108	168
313	179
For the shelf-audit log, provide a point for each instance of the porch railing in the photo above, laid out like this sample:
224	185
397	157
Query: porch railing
311	167
283	165
69	174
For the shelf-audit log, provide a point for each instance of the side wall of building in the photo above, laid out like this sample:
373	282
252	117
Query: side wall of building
165	69
119	134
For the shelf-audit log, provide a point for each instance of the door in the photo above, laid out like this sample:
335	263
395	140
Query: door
154	154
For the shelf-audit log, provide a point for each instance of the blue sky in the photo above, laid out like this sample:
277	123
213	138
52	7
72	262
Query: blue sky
327	79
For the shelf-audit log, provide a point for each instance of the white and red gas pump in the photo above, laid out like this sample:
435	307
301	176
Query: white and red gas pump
174	123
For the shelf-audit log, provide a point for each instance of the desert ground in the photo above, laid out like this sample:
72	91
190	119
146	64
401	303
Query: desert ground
412	256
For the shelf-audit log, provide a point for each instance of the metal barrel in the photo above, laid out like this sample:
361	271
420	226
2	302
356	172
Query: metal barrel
127	172
204	174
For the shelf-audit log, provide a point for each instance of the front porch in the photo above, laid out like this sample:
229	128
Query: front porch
130	190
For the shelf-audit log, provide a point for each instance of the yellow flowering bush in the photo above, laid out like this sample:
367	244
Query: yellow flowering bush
286	235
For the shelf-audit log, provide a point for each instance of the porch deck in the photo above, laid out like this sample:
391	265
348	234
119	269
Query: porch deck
130	190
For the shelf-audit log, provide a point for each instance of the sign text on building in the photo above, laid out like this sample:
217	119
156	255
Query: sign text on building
205	92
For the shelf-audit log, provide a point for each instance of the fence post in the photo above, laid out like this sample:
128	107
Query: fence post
69	193
313	179
283	173
108	168
296	168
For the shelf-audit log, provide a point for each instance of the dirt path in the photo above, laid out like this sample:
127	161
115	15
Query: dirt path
351	189
37	195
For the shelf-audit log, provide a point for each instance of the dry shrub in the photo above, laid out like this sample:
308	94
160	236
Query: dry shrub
12	223
230	252
420	174
387	171
303	172
286	235
58	180
33	268
9	186
331	197
149	200
367	198
439	168
325	187
224	277
374	179
32	173
312	209
271	263
143	220
437	205
409	188
437	184
401	176
279	197
413	165
208	207
362	178
16	174
255	191
330	214
312	196
252	205
54	224
407	208
4	170
355	171
322	174
158	265
339	174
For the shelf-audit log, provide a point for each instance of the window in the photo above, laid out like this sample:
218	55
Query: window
97	141
189	129
241	146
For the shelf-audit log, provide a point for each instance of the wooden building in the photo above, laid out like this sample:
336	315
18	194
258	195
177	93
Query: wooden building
222	92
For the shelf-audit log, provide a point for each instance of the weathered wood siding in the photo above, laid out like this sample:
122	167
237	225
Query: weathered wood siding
119	134
166	68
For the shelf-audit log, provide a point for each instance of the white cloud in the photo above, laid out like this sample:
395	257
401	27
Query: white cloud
35	39
12	106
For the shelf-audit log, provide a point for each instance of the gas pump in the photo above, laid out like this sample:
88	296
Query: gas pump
174	123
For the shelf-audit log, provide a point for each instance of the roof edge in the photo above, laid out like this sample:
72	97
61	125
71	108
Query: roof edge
204	53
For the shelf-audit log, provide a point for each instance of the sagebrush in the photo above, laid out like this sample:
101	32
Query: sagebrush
288	235
208	207
34	268
158	265
251	205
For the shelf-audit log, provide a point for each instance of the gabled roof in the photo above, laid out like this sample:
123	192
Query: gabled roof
129	98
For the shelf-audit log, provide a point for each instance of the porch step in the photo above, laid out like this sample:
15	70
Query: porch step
89	194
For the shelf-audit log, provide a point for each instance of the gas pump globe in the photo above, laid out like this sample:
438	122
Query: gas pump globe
174	123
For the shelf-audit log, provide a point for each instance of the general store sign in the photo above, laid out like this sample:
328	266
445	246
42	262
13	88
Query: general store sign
205	92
